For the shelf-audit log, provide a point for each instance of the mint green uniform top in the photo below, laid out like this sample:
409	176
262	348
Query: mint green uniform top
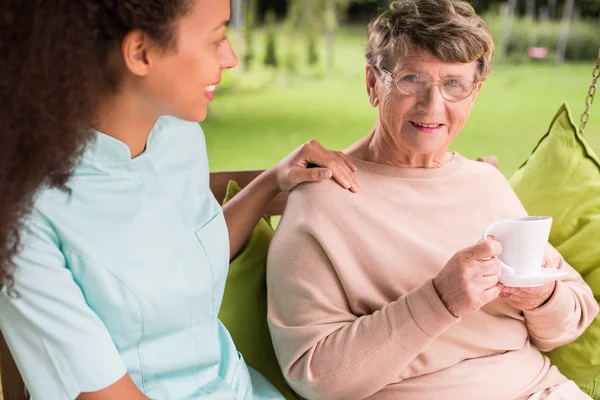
126	274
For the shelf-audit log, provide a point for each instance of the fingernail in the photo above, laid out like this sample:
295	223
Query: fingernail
357	182
323	174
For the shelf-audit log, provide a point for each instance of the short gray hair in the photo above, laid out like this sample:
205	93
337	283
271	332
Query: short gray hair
449	30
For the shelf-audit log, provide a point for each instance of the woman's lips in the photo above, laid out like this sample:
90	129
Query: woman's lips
209	92
426	127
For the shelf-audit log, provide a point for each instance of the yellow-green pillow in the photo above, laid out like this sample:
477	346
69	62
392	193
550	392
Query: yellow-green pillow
562	179
244	307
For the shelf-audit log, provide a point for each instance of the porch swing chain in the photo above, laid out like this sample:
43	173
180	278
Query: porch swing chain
590	97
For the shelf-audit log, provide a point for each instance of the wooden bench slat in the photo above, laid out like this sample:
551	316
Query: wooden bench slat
12	383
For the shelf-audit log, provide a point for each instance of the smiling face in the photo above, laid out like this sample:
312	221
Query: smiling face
421	126
181	81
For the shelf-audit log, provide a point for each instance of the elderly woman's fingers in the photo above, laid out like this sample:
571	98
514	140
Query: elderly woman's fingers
484	250
491	267
492	293
470	279
529	298
552	258
487	282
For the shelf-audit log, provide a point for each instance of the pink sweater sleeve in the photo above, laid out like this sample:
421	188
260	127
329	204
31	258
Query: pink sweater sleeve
325	351
569	311
565	316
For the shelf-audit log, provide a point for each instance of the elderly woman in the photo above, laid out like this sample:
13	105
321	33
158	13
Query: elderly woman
387	293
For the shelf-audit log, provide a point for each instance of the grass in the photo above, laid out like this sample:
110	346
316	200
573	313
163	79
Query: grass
255	128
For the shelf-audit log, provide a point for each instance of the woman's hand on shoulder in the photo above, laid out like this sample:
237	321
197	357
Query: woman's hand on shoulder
312	162
469	280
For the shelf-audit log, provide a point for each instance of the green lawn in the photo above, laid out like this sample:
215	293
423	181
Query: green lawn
255	128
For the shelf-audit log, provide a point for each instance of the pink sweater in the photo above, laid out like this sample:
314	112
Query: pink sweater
352	309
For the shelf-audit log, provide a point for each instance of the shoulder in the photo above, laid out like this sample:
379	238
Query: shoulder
490	181
481	172
315	207
481	168
316	197
40	244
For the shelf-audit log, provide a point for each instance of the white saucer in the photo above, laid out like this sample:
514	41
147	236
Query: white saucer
542	276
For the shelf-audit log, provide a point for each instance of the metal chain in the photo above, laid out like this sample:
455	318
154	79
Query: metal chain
590	97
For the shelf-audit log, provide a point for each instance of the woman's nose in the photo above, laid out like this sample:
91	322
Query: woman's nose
230	59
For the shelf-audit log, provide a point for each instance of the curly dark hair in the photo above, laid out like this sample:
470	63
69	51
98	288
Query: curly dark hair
54	66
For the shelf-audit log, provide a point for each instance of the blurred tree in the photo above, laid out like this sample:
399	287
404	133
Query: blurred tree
312	28
271	51
293	24
249	27
590	7
335	11
313	14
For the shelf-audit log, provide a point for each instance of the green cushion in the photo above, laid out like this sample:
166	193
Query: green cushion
562	179
244	308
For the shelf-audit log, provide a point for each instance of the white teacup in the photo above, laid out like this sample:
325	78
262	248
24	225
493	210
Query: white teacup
524	242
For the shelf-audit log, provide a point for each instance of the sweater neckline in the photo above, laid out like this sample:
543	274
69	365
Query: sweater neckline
392	171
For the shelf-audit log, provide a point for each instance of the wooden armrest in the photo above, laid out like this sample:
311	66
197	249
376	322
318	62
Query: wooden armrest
13	387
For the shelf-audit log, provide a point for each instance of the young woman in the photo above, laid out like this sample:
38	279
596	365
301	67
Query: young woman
113	251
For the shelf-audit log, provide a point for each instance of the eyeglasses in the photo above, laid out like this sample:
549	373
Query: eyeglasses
452	89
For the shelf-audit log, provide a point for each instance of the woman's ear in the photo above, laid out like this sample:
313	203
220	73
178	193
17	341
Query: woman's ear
477	90
371	79
136	49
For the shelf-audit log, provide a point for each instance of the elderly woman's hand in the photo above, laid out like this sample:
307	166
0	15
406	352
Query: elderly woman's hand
295	168
491	160
526	299
470	279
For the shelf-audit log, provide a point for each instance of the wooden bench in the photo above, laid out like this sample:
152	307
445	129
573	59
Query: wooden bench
13	387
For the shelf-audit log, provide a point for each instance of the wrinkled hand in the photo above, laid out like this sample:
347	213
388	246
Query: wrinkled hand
470	279
526	299
492	160
298	167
